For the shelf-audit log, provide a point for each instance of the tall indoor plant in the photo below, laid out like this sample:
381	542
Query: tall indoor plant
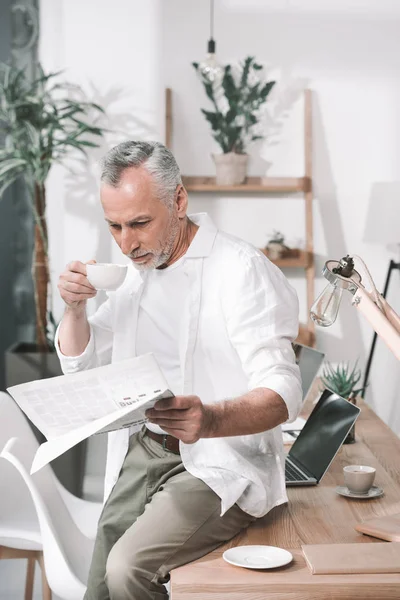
235	121
41	121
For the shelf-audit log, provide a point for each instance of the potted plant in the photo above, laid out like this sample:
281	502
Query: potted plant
41	121
277	248
237	98
343	380
276	245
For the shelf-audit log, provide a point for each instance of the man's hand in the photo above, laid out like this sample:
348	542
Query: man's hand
73	285
184	417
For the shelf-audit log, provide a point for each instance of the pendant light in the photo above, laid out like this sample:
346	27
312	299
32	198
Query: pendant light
209	67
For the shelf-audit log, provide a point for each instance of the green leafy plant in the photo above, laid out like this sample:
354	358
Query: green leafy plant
237	99
41	121
342	379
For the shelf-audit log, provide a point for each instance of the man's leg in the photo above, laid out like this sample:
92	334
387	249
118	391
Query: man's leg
145	462
181	523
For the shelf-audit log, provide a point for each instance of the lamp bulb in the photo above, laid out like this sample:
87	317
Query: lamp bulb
326	307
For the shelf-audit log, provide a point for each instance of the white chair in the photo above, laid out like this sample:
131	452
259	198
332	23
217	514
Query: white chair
39	519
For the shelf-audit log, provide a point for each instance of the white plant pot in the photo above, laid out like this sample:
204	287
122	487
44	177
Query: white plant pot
231	168
275	250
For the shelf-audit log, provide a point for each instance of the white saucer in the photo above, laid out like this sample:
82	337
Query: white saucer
373	492
257	557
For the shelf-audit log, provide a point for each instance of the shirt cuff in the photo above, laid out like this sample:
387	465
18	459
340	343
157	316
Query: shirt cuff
72	364
291	393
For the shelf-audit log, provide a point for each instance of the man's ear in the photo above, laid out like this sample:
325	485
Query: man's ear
181	200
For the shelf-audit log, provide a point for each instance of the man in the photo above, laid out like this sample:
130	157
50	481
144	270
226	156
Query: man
220	319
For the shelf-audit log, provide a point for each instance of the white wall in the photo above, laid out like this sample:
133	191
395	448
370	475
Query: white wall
127	51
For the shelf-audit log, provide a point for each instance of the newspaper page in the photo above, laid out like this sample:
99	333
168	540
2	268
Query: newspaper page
70	408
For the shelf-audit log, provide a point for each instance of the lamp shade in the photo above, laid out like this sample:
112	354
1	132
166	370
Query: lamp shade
383	217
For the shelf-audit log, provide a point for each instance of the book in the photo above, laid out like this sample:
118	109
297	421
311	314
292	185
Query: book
385	528
70	408
327	559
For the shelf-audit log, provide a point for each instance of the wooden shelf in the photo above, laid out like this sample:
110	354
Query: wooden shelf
252	184
303	261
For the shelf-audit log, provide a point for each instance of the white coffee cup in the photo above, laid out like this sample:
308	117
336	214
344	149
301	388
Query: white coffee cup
106	276
358	478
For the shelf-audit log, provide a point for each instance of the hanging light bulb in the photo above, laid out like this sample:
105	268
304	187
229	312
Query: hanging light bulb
326	307
209	67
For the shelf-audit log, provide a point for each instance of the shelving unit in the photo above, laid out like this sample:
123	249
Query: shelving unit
268	185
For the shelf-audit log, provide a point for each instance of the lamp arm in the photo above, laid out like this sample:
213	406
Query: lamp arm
392	316
387	326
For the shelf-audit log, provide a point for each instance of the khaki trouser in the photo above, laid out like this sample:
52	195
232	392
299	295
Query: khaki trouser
157	517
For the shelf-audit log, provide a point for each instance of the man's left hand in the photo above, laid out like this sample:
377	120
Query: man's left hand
184	417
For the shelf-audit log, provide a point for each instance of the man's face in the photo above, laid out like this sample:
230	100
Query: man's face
143	227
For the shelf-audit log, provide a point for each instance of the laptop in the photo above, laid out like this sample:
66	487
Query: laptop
309	361
320	439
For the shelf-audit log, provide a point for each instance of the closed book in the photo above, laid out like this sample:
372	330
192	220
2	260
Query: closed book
327	559
384	528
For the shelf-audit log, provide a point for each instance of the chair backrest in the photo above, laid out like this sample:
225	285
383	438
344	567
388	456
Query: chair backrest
67	552
18	516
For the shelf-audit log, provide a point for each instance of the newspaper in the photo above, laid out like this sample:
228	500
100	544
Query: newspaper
70	408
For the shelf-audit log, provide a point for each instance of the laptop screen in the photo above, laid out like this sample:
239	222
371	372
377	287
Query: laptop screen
309	361
323	433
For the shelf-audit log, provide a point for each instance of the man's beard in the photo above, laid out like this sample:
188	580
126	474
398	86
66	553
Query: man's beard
162	254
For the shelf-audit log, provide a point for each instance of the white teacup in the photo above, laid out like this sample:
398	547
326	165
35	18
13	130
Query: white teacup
106	276
359	478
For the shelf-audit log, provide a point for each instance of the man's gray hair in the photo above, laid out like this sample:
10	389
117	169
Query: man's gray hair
153	156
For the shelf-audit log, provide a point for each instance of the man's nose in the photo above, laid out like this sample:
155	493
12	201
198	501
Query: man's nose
129	241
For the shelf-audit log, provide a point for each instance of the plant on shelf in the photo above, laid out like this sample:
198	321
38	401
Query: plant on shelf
237	98
276	247
343	380
41	121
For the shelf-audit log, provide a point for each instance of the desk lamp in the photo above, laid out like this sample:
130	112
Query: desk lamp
342	276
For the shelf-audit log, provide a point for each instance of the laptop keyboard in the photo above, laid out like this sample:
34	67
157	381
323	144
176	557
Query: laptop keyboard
292	473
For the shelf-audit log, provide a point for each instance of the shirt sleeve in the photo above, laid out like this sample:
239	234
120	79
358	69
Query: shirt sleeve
261	311
99	348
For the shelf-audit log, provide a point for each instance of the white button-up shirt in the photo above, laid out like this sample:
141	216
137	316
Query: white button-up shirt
236	330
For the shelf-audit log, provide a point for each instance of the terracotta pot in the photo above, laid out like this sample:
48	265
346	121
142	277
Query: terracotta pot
231	168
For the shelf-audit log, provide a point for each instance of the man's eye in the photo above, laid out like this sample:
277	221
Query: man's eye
142	223
115	226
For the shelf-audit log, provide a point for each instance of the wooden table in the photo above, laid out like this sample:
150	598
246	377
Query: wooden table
314	515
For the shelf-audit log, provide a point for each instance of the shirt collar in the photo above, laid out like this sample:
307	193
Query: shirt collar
203	241
200	247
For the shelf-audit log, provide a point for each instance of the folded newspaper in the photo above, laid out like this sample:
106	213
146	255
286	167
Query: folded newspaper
70	408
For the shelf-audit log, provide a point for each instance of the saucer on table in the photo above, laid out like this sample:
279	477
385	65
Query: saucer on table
257	557
373	492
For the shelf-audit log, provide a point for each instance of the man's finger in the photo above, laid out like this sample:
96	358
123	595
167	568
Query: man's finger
77	278
76	266
170	426
172	414
176	402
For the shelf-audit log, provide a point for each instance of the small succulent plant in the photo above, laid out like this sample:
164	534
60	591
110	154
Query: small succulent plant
342	379
277	237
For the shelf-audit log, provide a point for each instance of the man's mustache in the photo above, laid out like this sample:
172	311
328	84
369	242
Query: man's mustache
137	255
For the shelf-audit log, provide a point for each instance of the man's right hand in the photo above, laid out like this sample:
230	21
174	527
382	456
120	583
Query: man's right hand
74	287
